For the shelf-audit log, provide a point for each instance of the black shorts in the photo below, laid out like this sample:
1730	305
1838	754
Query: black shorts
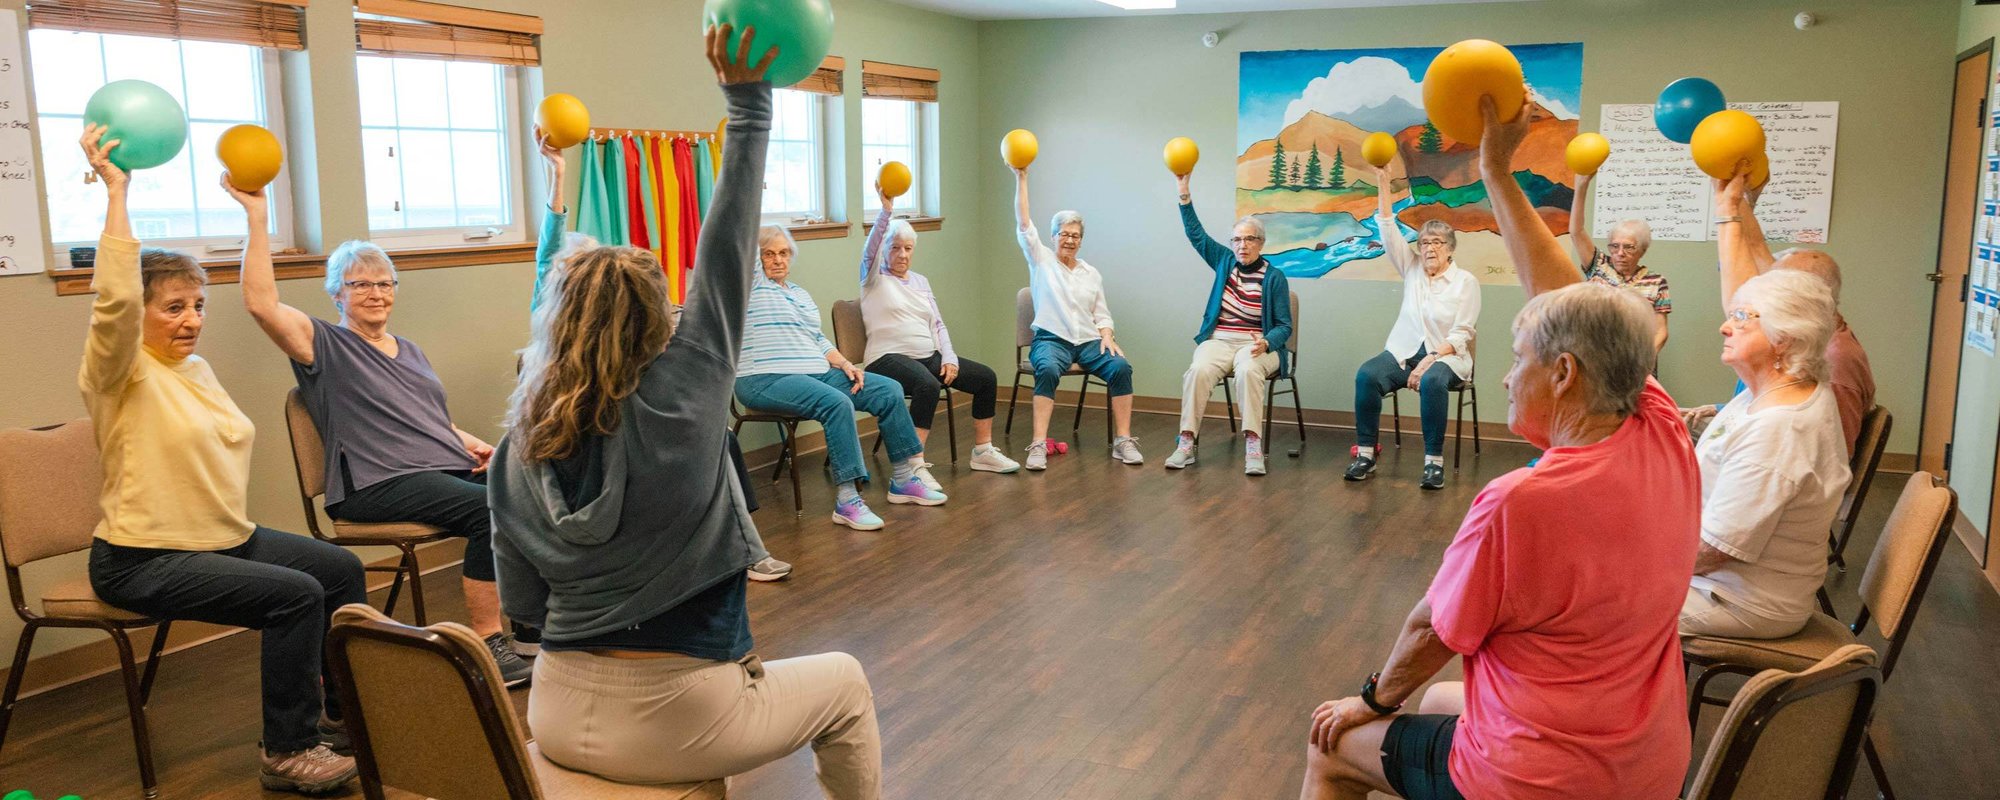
1416	756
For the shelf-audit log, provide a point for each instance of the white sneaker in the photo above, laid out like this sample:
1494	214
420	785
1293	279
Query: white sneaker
992	460
1126	449
931	483
1184	453
1038	456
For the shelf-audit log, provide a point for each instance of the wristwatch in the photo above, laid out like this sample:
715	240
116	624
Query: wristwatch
1368	696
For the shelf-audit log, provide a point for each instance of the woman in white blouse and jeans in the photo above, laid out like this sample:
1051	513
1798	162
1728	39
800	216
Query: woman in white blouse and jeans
908	341
1429	349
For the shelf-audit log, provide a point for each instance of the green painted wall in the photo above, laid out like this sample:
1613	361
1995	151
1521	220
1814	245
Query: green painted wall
1104	95
636	63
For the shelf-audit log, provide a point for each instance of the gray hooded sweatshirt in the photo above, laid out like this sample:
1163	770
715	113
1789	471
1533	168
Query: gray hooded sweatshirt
668	518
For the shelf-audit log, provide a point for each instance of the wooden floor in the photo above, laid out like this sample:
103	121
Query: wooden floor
1094	631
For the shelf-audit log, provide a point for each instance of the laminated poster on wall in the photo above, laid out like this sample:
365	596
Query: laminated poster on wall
1653	178
21	250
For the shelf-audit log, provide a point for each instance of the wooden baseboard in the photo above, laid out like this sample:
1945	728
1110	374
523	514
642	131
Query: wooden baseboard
100	657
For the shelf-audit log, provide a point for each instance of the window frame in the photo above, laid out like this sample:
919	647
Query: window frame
511	162
823	154
270	80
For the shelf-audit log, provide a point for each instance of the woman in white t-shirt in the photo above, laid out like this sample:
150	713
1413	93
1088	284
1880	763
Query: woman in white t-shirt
1773	466
908	342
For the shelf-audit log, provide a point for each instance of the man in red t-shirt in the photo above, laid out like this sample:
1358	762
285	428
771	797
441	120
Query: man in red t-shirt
1562	603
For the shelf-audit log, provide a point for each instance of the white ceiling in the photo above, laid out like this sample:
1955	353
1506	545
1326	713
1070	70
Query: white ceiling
1049	9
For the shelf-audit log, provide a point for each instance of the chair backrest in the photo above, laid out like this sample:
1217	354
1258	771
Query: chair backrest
308	451
1869	443
1292	344
50	482
427	709
1905	558
1792	735
850	331
1024	317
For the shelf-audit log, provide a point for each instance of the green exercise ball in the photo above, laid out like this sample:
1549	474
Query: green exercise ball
147	123
802	30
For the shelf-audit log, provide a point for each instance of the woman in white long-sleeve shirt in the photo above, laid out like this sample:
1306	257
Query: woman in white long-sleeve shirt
1428	350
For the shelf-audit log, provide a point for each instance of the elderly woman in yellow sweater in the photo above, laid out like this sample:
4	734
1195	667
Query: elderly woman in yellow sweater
175	541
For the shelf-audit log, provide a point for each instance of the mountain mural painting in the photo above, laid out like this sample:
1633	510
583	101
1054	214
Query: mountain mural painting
1302	116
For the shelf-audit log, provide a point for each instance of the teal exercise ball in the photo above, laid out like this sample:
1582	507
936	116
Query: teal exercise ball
802	30
148	124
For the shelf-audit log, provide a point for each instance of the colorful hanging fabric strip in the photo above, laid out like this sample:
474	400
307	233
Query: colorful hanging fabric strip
642	207
690	207
704	174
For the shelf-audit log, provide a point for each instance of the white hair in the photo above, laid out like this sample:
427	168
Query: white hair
1796	312
1609	332
1640	231
350	255
770	232
1812	262
899	231
1065	217
1443	230
1253	222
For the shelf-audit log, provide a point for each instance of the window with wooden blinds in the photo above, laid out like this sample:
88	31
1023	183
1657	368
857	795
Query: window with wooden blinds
414	29
898	82
259	23
830	78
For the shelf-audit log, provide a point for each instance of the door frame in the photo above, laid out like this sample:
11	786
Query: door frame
1944	201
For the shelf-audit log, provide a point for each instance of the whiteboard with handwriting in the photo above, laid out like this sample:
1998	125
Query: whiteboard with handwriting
1652	178
21	249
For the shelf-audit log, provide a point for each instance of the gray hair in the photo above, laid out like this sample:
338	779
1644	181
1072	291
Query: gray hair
350	255
1253	222
1640	231
769	232
1812	262
1065	217
899	230
1443	230
1796	311
1609	332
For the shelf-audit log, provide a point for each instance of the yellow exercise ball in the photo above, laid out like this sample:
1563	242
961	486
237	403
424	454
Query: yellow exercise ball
1019	148
1181	155
1586	153
1760	170
894	178
1725	139
1378	149
564	120
252	156
1462	74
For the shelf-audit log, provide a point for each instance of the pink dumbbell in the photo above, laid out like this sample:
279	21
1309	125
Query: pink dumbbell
1058	448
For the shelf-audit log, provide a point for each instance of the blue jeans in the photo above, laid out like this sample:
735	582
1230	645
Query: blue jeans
1051	356
1383	374
828	399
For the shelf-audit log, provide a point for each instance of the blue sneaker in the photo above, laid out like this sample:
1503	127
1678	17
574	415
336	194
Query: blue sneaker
855	514
914	491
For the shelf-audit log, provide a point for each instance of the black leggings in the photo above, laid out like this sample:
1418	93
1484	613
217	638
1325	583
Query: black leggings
919	377
454	501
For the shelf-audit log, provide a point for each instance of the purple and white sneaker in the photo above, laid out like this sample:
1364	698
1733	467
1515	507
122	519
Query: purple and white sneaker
855	514
914	491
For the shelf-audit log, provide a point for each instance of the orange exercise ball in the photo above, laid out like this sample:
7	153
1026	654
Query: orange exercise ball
1019	148
252	156
1586	153
564	120
894	178
1462	74
1725	139
1378	149
1760	170
1181	155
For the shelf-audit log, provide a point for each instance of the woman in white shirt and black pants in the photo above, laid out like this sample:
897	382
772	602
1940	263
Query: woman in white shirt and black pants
908	342
1429	349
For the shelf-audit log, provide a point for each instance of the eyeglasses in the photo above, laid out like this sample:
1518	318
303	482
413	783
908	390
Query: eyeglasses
1431	243
364	287
1077	237
1741	317
1623	247
1234	240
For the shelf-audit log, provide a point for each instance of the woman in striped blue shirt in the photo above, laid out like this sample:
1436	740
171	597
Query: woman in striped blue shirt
789	367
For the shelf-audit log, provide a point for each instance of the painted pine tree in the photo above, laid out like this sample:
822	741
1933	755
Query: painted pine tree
1338	177
1313	170
1431	141
1295	177
1277	163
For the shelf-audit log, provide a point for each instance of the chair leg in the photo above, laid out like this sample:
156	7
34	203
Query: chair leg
1229	405
1475	417
14	674
1875	768
416	584
153	660
395	591
1013	395
1298	416
1264	432
1081	393
1458	434
798	500
136	707
1396	413
951	425
1826	602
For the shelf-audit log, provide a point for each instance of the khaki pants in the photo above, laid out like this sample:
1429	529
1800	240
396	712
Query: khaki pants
1227	354
1703	613
680	719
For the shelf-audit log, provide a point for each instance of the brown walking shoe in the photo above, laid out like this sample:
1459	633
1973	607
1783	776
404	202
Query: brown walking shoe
316	770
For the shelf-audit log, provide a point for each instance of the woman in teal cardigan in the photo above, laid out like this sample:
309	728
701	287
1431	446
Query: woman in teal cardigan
1243	332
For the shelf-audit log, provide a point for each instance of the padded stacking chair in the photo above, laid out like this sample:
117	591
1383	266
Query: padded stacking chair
1290	376
1024	335
788	450
1461	389
49	483
1793	735
1892	589
850	336
309	459
1868	447
428	713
